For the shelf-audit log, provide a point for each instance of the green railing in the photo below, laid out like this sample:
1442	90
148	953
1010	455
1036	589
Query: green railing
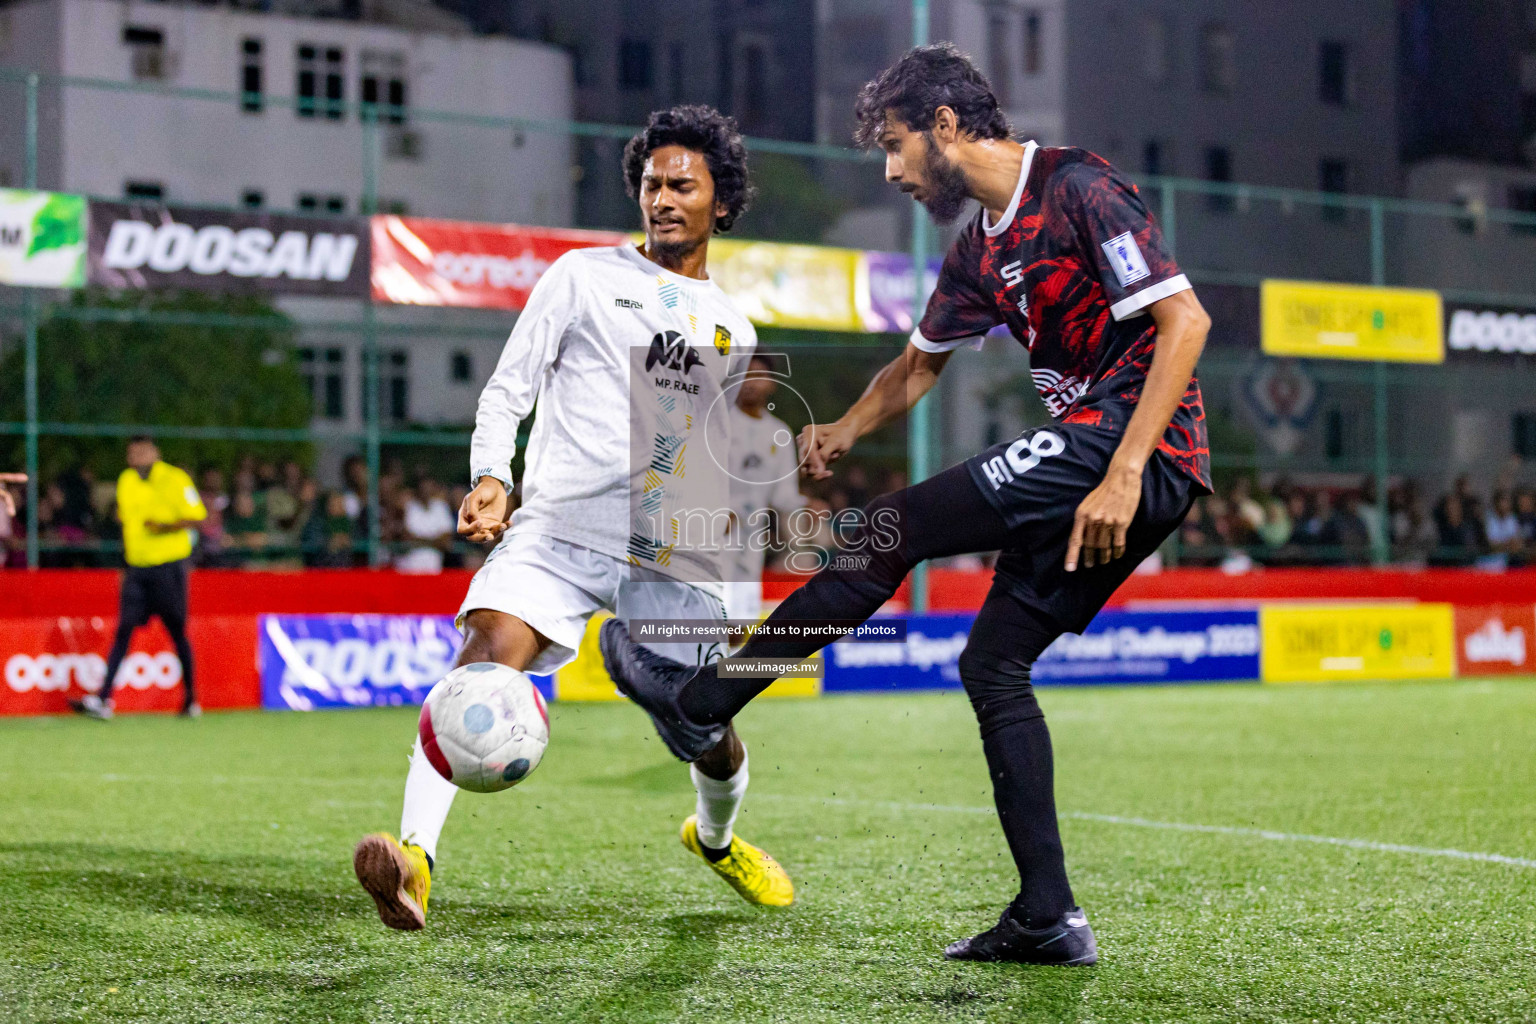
1214	227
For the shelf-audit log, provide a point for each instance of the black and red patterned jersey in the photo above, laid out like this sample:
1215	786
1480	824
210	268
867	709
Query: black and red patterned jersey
1071	268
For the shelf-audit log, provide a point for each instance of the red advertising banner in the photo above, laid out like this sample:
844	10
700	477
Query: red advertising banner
421	262
46	661
1495	639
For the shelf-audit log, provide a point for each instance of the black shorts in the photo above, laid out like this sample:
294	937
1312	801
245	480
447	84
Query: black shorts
159	590
1036	481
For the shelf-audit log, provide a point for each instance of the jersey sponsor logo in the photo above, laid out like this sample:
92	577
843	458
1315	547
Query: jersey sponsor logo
1013	273
1126	259
1056	391
629	303
172	247
671	350
722	339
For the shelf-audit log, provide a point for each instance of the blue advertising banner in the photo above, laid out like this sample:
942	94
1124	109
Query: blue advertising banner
1156	647
309	662
1118	647
927	660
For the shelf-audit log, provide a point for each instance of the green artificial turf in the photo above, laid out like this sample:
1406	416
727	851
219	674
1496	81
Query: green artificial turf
154	869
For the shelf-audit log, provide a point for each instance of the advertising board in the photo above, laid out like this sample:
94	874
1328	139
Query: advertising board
1328	643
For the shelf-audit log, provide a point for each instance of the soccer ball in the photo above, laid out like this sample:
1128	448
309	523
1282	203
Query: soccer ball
484	727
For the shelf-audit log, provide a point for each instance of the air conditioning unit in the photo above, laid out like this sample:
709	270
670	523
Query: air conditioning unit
404	144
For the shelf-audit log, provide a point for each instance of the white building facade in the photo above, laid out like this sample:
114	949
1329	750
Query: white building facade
287	134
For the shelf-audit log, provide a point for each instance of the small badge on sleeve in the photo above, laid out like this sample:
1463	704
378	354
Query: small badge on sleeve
1125	256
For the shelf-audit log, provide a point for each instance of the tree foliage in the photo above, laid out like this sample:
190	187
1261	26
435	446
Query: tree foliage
128	371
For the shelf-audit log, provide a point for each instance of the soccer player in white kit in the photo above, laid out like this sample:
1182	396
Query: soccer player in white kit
628	351
765	473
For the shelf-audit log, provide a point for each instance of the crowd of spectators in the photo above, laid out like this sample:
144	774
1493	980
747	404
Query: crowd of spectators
270	515
1287	524
263	515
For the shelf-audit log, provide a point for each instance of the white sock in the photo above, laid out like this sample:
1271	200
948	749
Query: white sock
719	800
428	797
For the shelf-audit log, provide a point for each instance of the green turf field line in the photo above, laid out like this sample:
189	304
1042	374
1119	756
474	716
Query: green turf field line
1181	826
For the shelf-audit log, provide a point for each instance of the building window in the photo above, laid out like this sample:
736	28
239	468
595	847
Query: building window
1333	83
1033	60
1343	433
251	99
1333	176
253	199
1155	157
1525	434
1522	199
321	87
146	53
461	368
1218	167
144	191
1218	60
309	202
397	383
323	370
307	86
752	100
998	39
383	83
677	62
635	64
1156	54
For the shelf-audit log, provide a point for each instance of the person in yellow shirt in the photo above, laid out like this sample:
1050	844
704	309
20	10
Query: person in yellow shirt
158	506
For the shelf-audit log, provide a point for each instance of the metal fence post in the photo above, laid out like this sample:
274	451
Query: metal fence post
29	382
919	424
1168	214
1383	553
371	383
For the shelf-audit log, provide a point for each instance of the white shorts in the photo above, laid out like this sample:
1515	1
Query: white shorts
744	600
556	586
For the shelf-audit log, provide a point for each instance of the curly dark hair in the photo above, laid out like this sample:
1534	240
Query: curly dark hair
703	130
927	78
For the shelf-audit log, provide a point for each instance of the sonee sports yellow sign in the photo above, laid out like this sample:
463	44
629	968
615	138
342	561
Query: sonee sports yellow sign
1335	321
1327	643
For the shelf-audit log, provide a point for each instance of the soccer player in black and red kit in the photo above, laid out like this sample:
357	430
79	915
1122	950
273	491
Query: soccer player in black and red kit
1066	255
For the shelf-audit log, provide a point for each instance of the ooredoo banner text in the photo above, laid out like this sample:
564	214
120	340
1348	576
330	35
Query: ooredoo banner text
422	262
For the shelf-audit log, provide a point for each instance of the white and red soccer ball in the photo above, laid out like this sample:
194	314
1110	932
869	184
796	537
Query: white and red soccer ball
484	727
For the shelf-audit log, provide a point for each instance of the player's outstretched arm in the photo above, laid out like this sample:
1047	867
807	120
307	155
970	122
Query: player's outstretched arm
895	390
1099	529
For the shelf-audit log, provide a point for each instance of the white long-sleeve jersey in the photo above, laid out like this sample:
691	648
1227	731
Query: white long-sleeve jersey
627	362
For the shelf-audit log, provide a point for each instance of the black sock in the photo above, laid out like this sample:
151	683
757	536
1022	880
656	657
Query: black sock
712	854
995	666
1019	760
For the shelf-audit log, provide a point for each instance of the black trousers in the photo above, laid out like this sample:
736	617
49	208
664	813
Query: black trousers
153	590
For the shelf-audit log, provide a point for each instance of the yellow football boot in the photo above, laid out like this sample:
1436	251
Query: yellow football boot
752	872
398	878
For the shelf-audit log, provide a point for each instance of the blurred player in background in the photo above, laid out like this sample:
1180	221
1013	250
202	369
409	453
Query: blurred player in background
583	540
765	474
1064	252
7	500
158	506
